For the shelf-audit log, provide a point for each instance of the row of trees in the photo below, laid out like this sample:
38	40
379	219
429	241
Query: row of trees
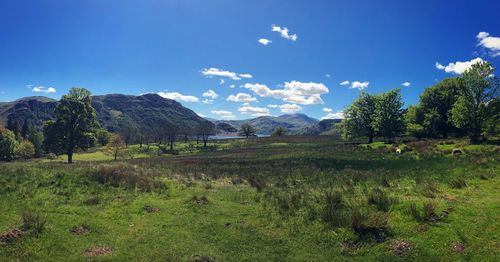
465	105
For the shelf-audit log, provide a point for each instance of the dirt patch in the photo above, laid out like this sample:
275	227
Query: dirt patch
150	209
400	247
203	259
458	247
79	231
97	251
11	235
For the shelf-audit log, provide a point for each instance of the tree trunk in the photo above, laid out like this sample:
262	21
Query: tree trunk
70	156
171	145
370	139
204	142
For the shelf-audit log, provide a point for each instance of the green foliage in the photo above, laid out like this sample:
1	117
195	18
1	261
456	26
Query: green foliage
359	117
102	136
33	222
380	199
279	131
469	112
75	125
116	147
413	121
247	130
36	138
25	149
7	144
388	119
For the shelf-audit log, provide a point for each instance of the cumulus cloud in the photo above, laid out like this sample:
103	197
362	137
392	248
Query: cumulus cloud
344	83
241	97
327	110
489	42
406	84
336	115
41	89
264	41
178	97
293	92
290	108
272	106
458	67
223	114
254	111
284	32
360	85
211	94
327	75
232	86
210	72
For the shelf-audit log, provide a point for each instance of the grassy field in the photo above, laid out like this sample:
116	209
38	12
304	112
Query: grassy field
283	199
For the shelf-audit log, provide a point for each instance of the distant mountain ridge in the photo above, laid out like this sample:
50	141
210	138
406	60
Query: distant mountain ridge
265	125
114	111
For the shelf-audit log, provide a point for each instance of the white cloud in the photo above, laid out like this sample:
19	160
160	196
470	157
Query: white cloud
232	86
178	97
336	115
290	108
327	75
254	111
210	72
211	94
360	85
264	41
201	115
327	110
344	83
41	89
222	81
406	84
223	114
284	32
241	97
294	92
490	42
272	106
458	67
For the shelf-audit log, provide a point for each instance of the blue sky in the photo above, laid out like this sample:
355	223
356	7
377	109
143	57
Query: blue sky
184	48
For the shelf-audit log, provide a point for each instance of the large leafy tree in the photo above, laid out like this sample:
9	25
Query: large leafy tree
469	112
247	130
359	117
75	124
435	107
389	115
7	144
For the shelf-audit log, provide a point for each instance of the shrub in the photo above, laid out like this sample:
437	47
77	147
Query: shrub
258	182
51	156
458	183
429	189
25	150
372	224
7	144
380	199
32	222
428	213
332	212
128	176
289	202
415	212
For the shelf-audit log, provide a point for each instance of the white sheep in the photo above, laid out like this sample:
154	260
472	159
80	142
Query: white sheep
398	151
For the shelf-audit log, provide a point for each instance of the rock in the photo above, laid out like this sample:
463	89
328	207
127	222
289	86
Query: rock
456	151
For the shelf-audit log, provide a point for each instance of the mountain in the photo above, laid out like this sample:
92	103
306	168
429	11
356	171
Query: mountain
265	125
323	127
114	111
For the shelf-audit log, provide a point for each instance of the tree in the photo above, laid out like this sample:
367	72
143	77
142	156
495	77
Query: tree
279	131
413	118
388	120
36	138
116	147
358	119
247	130
75	123
172	132
7	144
102	136
205	130
470	110
25	149
435	107
128	132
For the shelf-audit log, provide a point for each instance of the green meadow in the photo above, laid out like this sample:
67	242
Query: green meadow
278	199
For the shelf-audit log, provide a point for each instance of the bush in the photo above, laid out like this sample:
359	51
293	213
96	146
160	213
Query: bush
258	182
25	150
128	176
7	144
332	212
380	199
289	202
366	224
458	183
428	213
32	222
